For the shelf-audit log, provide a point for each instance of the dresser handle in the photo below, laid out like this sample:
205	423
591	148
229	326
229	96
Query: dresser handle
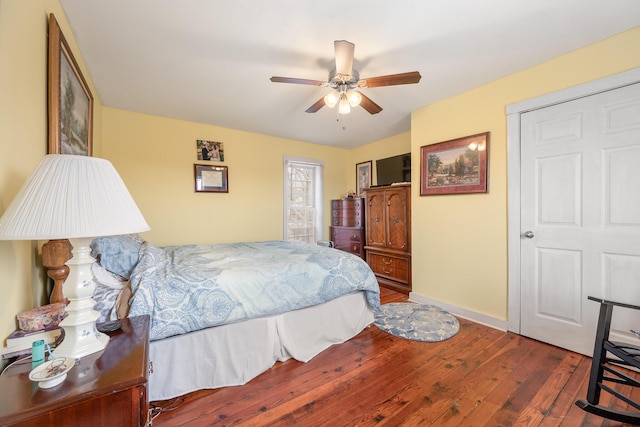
387	272
387	262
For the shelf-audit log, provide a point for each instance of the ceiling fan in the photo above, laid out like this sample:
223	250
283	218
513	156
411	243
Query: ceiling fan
344	80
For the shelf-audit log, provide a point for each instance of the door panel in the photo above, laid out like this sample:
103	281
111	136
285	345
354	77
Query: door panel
559	204
580	199
622	206
559	278
375	220
397	219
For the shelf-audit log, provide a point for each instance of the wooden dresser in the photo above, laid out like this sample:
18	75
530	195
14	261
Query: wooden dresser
107	388
388	235
347	225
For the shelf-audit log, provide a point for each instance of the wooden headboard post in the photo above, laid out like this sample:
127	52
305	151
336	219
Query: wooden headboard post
55	253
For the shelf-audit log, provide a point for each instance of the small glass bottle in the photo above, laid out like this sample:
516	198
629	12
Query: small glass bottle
37	353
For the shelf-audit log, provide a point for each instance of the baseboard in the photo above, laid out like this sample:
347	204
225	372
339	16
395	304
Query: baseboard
480	318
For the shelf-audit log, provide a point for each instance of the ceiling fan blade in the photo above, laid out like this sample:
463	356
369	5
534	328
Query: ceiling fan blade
276	79
315	107
369	105
344	56
391	80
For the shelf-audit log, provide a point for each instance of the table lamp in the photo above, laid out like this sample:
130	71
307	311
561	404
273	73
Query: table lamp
77	198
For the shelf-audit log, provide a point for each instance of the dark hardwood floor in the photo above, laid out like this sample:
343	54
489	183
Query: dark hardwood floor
480	377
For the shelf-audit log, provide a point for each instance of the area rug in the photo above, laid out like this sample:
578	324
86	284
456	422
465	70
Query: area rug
417	322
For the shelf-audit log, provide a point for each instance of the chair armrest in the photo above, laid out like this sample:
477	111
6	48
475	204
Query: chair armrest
619	304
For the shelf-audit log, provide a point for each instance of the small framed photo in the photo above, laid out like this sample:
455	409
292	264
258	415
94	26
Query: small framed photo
212	151
457	166
211	179
363	177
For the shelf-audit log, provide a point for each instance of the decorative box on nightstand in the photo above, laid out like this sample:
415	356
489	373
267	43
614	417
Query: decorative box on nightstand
108	388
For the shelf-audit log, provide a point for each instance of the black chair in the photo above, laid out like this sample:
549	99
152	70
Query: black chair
608	357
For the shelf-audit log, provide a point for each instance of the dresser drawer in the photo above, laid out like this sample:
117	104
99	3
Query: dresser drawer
391	272
347	218
351	247
389	261
346	235
355	203
389	266
347	212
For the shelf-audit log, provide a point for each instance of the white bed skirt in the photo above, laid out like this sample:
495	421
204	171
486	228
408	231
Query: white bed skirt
236	353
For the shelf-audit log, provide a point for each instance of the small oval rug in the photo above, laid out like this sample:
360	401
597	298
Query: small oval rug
417	322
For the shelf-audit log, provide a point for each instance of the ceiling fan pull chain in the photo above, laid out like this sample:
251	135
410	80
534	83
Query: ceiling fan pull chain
341	119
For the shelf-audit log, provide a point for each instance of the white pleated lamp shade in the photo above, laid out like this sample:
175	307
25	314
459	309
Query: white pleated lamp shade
70	196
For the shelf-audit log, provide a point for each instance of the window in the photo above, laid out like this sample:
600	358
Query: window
303	200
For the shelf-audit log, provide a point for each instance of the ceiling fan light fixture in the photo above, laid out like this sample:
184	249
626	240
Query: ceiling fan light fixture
343	79
343	106
354	98
331	99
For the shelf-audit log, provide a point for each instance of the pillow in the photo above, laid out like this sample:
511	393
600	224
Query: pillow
118	254
107	278
109	288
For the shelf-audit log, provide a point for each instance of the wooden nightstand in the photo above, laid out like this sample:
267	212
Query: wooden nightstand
108	388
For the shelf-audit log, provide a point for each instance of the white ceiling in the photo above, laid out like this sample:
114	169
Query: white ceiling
209	61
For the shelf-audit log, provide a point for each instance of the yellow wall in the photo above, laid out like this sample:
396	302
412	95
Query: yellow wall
387	147
155	157
23	137
460	241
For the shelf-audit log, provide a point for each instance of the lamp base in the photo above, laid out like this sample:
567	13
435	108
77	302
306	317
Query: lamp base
81	337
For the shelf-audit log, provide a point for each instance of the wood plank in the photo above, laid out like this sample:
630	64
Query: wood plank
540	405
565	402
479	377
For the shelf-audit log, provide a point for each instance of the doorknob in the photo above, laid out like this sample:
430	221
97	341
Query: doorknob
528	234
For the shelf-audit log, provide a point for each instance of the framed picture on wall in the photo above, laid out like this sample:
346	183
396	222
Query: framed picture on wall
455	167
363	177
70	101
212	151
211	179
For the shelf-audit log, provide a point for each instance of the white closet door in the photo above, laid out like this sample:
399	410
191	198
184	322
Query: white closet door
580	216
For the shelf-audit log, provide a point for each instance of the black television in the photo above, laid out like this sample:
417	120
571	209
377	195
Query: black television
394	169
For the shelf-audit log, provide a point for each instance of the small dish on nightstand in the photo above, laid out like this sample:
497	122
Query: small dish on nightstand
52	373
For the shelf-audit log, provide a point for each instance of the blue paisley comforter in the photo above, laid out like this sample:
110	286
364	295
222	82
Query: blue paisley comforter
186	288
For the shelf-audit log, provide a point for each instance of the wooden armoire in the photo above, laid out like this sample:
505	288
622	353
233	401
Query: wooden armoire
388	235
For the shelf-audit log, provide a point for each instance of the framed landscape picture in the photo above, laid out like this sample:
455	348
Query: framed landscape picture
455	167
70	101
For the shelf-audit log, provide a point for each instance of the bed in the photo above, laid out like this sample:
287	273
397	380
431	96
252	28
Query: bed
222	314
